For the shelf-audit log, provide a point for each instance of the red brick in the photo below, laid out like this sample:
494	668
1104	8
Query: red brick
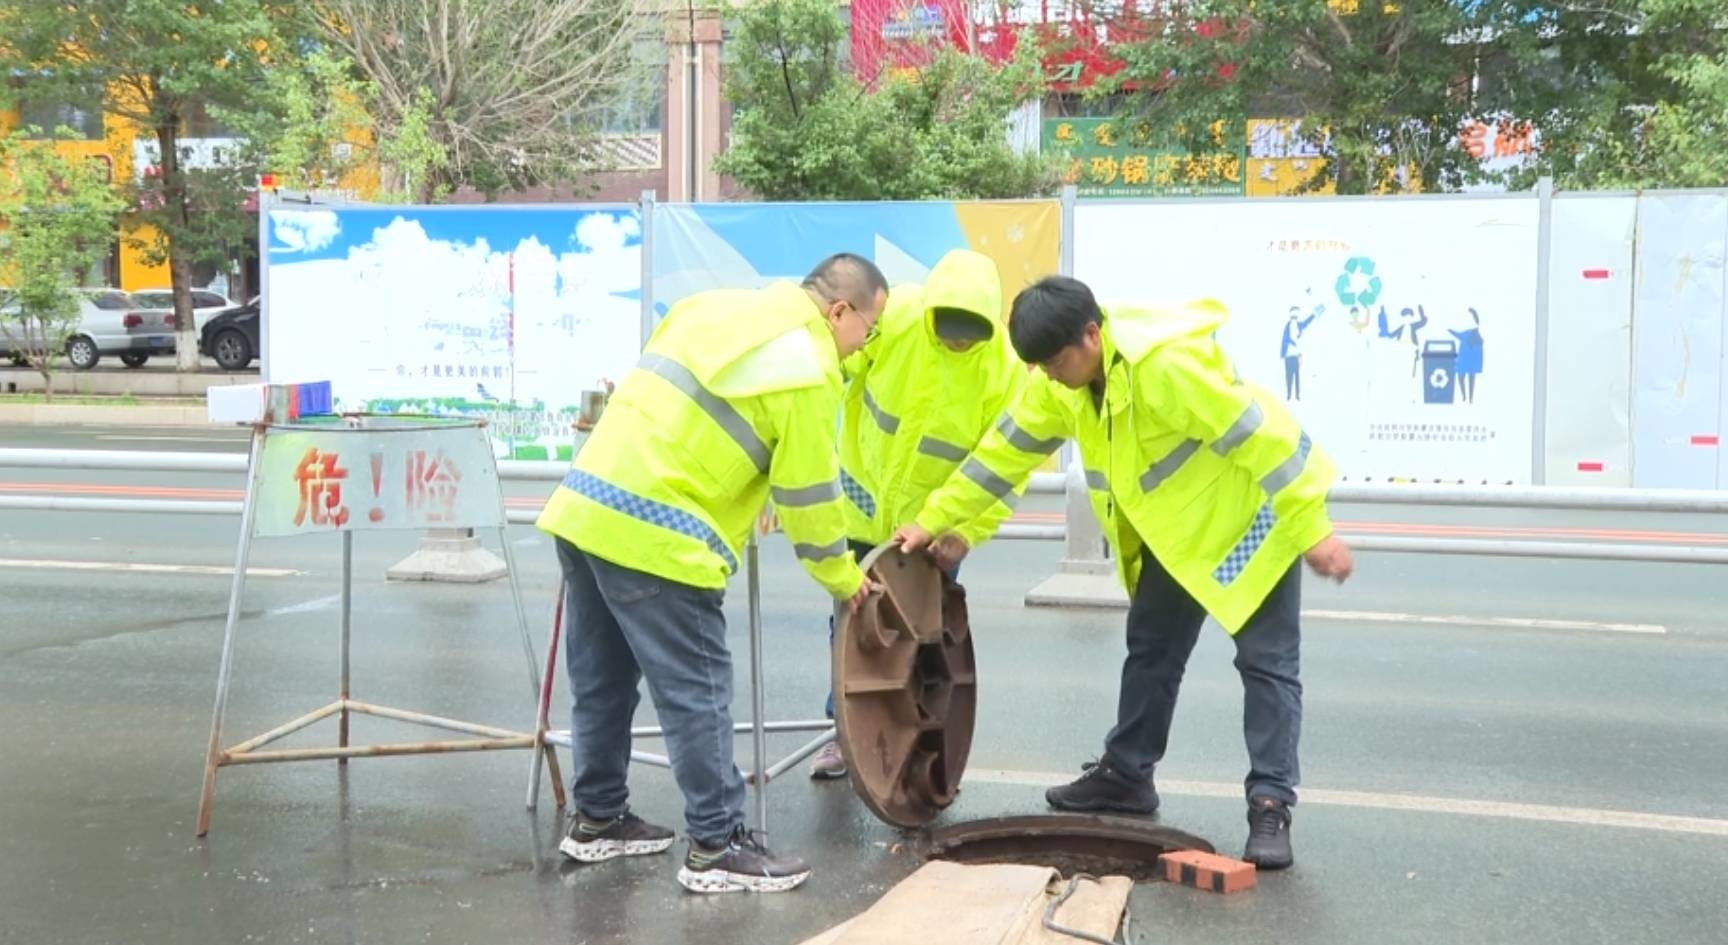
1207	871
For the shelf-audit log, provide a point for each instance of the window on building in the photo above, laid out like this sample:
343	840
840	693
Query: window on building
636	108
47	113
635	115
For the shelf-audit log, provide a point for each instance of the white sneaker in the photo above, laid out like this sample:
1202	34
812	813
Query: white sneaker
829	764
743	864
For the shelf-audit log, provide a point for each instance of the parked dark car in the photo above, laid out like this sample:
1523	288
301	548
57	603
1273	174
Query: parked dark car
231	336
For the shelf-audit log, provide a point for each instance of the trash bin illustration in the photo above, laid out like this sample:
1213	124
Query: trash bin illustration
1439	370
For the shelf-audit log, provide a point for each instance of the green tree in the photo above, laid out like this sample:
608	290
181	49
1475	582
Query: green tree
493	94
166	66
1382	88
805	129
1625	93
59	213
323	129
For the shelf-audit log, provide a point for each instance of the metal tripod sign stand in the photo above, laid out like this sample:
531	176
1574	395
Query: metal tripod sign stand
363	473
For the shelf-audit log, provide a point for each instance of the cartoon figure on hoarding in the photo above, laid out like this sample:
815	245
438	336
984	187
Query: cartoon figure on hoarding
1291	349
1414	322
1469	357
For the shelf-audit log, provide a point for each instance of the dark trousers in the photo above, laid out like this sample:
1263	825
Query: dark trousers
859	551
1163	624
1292	378
622	626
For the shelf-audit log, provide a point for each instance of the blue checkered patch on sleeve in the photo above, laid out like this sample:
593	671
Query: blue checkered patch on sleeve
1237	561
648	510
859	495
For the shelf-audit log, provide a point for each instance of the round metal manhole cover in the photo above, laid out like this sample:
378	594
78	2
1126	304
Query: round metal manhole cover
905	689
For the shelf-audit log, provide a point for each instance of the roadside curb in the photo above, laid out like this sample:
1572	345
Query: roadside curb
144	415
140	383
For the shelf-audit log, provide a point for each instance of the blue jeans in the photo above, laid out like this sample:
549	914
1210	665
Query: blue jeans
859	550
1163	624
622	626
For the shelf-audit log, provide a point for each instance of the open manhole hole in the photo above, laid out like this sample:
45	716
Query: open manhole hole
1068	843
906	694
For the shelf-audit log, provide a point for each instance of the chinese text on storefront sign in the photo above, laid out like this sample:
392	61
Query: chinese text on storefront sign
1104	158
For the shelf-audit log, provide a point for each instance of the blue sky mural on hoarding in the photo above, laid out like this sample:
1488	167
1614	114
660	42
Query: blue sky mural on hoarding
460	307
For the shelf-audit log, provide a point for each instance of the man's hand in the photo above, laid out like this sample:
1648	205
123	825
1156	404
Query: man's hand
857	600
949	551
911	538
1331	559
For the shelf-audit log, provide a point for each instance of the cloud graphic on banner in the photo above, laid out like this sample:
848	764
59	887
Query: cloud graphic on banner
603	232
460	305
303	231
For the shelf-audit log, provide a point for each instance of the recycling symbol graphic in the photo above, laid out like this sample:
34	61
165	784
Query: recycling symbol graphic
1357	284
1438	378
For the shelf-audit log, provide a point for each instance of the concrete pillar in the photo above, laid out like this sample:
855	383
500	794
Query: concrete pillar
1086	577
693	102
450	555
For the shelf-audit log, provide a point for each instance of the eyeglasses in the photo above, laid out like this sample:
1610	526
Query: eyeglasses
869	324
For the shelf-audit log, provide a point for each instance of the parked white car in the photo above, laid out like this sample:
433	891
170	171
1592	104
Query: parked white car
205	303
109	323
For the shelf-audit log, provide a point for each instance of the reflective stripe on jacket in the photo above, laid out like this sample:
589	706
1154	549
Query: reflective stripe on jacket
1215	476
733	401
915	409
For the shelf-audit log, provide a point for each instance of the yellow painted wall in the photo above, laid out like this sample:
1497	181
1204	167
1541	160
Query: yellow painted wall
119	136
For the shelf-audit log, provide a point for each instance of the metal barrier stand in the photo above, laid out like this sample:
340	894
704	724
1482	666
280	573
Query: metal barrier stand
434	459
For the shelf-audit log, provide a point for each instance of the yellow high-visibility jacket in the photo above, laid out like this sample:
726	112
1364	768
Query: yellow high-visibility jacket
1215	476
734	399
915	409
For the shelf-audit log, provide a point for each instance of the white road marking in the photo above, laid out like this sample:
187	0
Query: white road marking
134	567
1579	816
305	607
1502	623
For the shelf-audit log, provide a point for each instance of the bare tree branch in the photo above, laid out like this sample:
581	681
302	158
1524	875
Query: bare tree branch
517	86
1338	24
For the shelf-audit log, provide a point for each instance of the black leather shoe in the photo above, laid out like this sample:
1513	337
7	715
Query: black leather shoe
1269	834
1104	787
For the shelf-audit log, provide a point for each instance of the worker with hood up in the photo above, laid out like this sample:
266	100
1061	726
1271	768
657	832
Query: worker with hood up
935	377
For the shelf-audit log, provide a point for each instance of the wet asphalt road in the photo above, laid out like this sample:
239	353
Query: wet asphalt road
1465	783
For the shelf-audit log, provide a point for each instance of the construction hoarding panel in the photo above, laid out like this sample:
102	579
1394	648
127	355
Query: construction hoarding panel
505	312
1401	332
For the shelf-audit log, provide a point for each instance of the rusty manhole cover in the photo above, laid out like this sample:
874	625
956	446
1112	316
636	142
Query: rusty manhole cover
1069	843
906	689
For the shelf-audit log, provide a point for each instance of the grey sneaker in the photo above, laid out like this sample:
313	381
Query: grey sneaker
596	841
742	864
829	764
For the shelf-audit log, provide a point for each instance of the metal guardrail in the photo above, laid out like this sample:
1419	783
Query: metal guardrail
1523	497
509	470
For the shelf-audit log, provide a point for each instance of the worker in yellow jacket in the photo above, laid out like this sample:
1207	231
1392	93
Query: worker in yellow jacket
1208	492
920	395
733	401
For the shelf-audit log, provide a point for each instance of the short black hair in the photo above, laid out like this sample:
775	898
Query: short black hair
847	277
1050	315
